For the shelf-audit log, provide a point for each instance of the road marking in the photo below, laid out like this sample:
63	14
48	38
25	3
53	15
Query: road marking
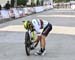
56	29
55	15
63	30
13	28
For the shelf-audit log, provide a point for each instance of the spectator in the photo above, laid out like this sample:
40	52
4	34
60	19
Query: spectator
0	7
7	5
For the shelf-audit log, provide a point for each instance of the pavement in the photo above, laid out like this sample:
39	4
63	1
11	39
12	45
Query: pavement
60	43
4	20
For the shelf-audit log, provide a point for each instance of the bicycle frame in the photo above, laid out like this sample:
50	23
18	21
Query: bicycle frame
30	34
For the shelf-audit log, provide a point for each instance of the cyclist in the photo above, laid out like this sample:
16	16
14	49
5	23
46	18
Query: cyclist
36	25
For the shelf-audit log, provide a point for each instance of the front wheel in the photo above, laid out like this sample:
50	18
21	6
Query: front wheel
27	50
27	43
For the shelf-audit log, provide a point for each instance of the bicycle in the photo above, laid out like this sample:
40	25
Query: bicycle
28	42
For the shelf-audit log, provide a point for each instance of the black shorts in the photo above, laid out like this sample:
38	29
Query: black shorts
47	29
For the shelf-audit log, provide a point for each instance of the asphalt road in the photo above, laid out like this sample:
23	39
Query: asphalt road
60	43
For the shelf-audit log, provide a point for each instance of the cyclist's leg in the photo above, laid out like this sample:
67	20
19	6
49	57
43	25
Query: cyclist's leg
45	32
37	39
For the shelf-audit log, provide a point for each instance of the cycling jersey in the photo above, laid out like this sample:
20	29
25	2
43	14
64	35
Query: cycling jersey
39	24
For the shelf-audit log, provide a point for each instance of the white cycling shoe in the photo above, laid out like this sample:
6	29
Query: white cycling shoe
40	53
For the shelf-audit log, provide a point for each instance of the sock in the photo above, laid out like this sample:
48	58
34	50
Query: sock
42	49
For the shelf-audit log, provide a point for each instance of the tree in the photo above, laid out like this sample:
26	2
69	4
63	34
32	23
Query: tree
38	3
57	1
22	2
42	2
12	3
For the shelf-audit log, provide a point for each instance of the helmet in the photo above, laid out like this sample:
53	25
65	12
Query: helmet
26	24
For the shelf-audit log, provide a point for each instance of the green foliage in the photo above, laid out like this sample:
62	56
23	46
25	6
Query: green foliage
21	2
12	3
57	1
38	3
66	0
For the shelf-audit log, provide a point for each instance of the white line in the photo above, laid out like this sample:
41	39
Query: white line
56	16
56	29
13	28
63	30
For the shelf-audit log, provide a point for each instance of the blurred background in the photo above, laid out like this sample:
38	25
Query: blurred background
55	3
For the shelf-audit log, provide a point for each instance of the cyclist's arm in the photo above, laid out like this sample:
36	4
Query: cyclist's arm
33	35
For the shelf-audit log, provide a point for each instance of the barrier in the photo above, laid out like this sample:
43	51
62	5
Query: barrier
47	7
0	15
73	7
31	10
11	13
16	13
28	10
21	12
39	9
25	11
4	14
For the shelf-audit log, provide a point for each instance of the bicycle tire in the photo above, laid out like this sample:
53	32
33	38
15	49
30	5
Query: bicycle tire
27	43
